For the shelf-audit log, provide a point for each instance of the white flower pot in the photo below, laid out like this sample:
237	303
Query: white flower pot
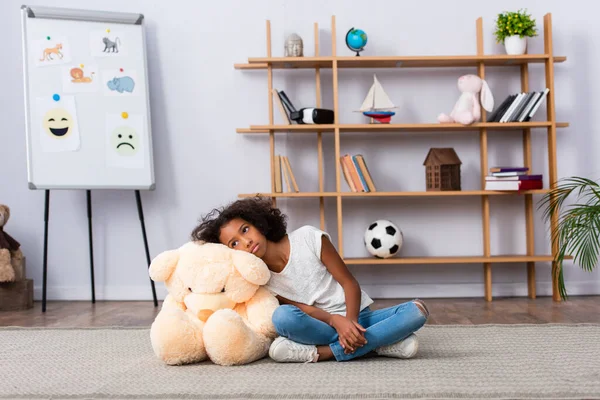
515	44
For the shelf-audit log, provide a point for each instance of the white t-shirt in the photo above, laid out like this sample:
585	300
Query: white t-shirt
305	279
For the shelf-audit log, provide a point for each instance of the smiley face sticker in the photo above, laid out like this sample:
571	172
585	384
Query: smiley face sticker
125	141
59	128
58	123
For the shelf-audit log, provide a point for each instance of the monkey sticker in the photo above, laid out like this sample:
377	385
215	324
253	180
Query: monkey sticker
80	78
50	50
108	43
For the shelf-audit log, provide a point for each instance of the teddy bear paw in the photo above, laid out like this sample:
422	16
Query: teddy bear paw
7	273
230	341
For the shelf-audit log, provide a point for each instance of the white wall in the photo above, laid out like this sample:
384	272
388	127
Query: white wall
199	99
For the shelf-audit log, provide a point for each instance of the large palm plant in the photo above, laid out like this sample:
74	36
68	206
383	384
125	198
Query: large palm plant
578	228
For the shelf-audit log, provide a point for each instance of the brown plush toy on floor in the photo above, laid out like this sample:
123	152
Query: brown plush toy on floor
11	257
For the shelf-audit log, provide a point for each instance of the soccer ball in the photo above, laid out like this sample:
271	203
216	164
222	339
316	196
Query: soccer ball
383	239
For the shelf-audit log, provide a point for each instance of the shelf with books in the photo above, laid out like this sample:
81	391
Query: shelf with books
494	60
516	119
423	127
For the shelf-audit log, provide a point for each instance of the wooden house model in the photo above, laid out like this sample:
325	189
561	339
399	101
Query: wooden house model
442	169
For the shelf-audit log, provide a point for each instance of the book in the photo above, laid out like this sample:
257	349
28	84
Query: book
518	107
290	175
356	173
509	173
508	169
363	166
278	182
524	177
514	185
284	114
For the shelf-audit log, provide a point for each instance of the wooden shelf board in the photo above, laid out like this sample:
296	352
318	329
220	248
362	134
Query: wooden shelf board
290	194
445	127
292	62
399	194
450	260
441	61
396	61
443	193
294	128
250	66
427	127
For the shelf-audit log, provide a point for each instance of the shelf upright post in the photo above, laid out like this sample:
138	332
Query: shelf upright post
336	121
270	98
319	133
485	200
529	233
551	116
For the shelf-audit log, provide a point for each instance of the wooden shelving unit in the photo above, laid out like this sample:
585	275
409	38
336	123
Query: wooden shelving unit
479	61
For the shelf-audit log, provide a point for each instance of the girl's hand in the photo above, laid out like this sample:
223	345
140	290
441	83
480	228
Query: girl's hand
350	333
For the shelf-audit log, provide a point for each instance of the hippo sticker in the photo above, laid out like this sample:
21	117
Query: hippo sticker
119	83
122	84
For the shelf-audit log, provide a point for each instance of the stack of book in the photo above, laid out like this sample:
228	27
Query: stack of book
519	107
512	178
356	173
284	169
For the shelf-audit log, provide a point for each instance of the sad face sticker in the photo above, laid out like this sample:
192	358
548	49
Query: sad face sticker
125	140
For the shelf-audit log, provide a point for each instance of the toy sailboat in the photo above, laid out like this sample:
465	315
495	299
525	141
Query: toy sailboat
377	105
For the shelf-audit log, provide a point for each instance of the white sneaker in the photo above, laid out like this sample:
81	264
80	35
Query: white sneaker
406	348
284	350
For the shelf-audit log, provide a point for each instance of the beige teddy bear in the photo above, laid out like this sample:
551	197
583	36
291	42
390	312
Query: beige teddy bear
215	308
11	257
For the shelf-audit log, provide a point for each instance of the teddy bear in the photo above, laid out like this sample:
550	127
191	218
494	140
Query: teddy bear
467	109
216	308
11	257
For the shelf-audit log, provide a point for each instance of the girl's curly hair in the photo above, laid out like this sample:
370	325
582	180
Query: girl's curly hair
258	211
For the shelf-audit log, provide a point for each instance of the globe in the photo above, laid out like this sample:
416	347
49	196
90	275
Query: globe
356	40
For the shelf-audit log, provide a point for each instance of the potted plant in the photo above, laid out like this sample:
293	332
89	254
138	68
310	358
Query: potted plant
513	29
578	229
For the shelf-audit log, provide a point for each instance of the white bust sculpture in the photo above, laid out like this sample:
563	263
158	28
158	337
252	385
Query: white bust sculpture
294	46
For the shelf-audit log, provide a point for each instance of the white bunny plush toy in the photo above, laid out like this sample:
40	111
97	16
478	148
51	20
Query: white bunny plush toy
467	109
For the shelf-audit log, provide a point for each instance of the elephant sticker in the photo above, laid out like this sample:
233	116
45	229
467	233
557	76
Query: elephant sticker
119	83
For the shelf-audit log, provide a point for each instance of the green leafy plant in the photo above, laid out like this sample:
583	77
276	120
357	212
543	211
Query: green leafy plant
511	23
578	228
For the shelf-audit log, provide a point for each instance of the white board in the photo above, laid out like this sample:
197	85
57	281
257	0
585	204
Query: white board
87	103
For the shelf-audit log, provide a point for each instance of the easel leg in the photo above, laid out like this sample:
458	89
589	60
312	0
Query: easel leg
45	276
141	215
89	214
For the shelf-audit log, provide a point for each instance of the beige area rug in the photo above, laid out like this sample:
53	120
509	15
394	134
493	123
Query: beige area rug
481	361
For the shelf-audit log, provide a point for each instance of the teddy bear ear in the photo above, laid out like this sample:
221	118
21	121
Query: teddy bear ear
252	268
163	265
5	211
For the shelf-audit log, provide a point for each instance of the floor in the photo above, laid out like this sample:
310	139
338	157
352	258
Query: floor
583	309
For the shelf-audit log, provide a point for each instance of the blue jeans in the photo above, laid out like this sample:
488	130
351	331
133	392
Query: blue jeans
384	327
